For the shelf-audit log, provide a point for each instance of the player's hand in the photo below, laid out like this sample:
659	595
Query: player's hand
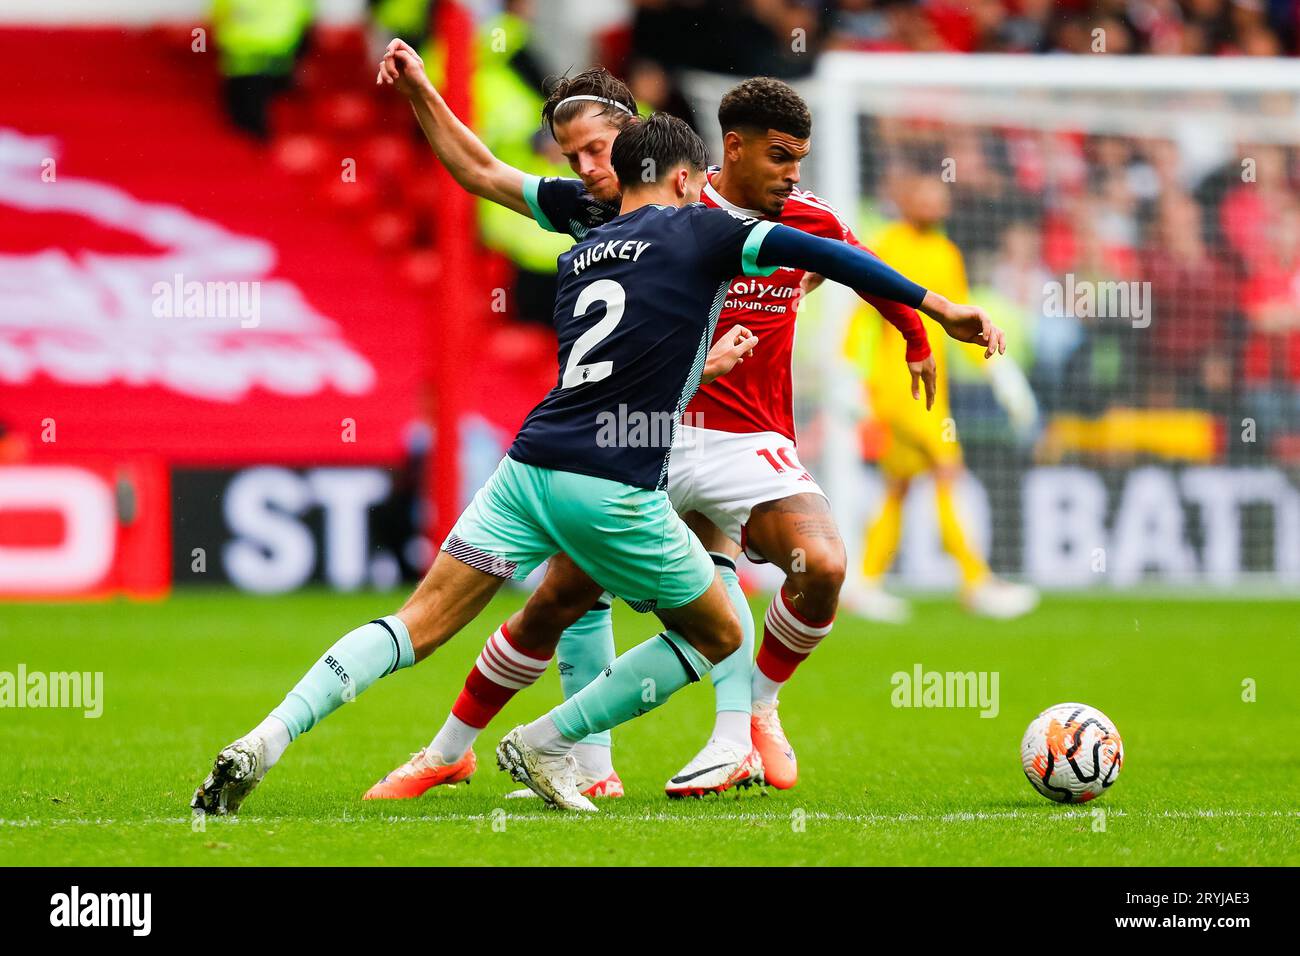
728	352
965	323
924	371
402	67
809	282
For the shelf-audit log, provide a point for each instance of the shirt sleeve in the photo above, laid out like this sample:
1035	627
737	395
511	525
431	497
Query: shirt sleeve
838	261
729	243
902	317
554	202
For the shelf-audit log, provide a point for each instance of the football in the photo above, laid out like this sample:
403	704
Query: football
1072	753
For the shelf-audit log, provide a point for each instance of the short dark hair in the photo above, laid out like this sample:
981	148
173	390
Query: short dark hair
649	147
594	82
763	103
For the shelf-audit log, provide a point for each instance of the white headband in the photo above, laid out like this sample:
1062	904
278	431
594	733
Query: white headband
593	99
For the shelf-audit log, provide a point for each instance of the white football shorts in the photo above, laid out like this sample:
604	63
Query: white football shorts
725	475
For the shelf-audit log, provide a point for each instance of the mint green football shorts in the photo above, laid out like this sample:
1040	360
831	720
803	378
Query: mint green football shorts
628	539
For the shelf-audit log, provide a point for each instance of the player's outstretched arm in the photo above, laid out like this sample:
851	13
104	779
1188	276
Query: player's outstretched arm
863	272
920	363
470	162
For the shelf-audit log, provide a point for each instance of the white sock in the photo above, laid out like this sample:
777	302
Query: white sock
594	760
765	689
274	736
454	739
732	726
543	735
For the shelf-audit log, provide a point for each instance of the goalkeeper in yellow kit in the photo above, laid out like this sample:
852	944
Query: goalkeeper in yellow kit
918	442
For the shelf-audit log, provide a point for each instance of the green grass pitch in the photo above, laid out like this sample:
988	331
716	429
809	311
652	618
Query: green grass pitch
1209	778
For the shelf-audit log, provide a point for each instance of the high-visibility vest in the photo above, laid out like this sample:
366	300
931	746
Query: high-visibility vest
259	36
408	19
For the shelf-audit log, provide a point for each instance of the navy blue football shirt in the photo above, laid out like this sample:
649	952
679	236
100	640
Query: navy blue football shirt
564	205
635	310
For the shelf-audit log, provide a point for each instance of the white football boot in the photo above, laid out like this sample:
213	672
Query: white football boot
874	603
589	785
237	770
716	769
551	777
1000	599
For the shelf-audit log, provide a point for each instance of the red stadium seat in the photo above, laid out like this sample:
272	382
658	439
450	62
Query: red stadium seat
293	113
421	268
351	199
346	113
301	154
423	192
391	230
388	155
336	59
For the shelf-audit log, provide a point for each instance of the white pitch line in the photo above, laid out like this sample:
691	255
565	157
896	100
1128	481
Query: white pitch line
667	817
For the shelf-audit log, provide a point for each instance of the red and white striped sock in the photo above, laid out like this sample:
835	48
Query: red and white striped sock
501	670
788	638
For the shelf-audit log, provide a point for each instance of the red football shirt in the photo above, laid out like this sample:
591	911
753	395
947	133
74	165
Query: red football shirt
758	394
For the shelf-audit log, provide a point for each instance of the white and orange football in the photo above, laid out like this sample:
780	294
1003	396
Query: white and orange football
1072	753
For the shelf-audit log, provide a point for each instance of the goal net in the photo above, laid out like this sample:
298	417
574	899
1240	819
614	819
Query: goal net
1133	223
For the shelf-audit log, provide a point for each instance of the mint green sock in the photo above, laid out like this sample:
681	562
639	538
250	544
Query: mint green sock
357	660
733	676
585	650
635	683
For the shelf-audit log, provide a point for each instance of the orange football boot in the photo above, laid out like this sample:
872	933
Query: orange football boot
779	764
421	773
611	786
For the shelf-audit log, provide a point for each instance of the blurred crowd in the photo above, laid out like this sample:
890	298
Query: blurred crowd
1213	322
651	40
1170	27
755	36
